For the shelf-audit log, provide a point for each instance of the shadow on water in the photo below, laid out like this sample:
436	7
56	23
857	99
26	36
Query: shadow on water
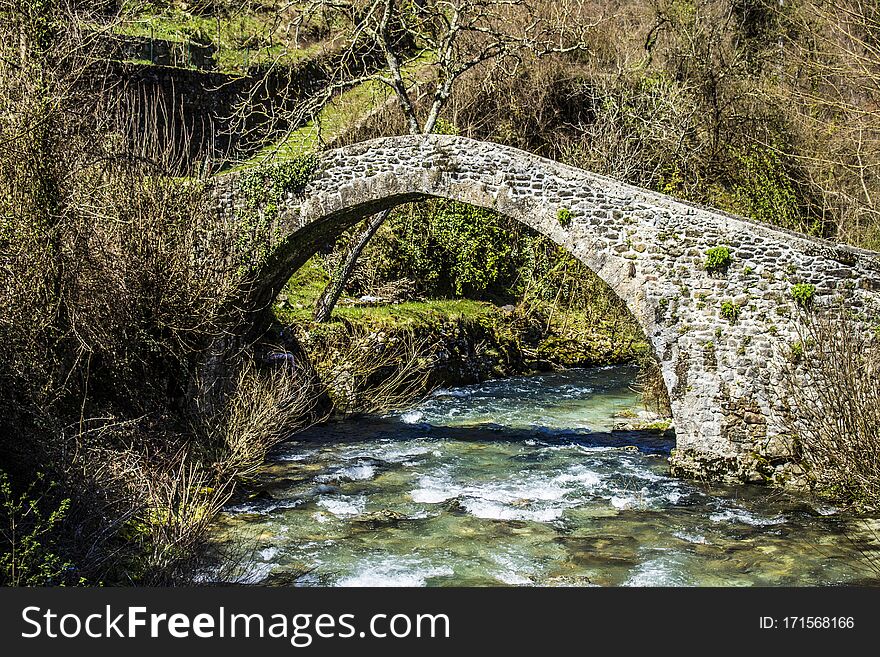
520	482
368	429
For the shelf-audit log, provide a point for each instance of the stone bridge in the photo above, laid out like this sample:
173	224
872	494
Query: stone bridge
721	335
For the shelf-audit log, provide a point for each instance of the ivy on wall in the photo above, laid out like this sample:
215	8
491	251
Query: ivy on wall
263	190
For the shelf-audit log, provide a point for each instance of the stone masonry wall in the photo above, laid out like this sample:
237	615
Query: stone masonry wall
723	376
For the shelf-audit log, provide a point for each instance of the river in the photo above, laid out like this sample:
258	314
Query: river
520	481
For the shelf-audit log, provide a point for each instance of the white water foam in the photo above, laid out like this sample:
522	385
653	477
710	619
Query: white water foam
495	511
358	472
293	457
265	507
458	393
388	451
513	579
744	517
295	451
412	417
525	497
403	454
623	502
343	506
433	489
825	510
698	539
255	574
640	472
394	571
661	571
515	568
580	474
269	553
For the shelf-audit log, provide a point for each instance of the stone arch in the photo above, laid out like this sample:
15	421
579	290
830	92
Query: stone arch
721	366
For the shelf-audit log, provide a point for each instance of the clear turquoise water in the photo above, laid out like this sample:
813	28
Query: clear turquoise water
520	482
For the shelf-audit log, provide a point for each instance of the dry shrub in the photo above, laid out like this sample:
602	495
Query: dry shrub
651	385
151	493
641	132
115	278
266	407
831	387
370	371
179	504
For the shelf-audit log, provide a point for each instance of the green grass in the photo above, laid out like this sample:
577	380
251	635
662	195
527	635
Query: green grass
297	302
242	40
303	288
257	37
659	425
415	312
236	61
335	118
139	62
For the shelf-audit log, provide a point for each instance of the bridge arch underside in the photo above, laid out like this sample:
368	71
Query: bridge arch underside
723	369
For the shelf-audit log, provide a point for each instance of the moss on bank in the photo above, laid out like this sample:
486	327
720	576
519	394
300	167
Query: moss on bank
422	343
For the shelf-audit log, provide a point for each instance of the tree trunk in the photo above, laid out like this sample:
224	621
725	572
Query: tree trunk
330	295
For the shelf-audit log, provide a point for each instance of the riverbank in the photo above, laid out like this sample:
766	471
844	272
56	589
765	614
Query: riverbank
375	353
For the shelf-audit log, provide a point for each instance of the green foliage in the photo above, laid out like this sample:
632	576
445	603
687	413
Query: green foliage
670	180
730	311
29	556
803	294
265	186
448	248
264	189
717	259
444	127
242	36
657	425
452	249
479	249
564	217
43	26
763	188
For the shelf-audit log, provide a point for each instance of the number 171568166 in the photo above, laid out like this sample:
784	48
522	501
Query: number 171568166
807	622
818	622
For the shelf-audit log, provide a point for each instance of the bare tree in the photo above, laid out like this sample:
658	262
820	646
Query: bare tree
830	88
446	38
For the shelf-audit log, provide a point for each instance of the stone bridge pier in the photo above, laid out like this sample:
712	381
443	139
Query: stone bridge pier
720	333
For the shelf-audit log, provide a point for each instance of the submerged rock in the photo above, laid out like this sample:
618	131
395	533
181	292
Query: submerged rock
644	421
383	518
286	577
